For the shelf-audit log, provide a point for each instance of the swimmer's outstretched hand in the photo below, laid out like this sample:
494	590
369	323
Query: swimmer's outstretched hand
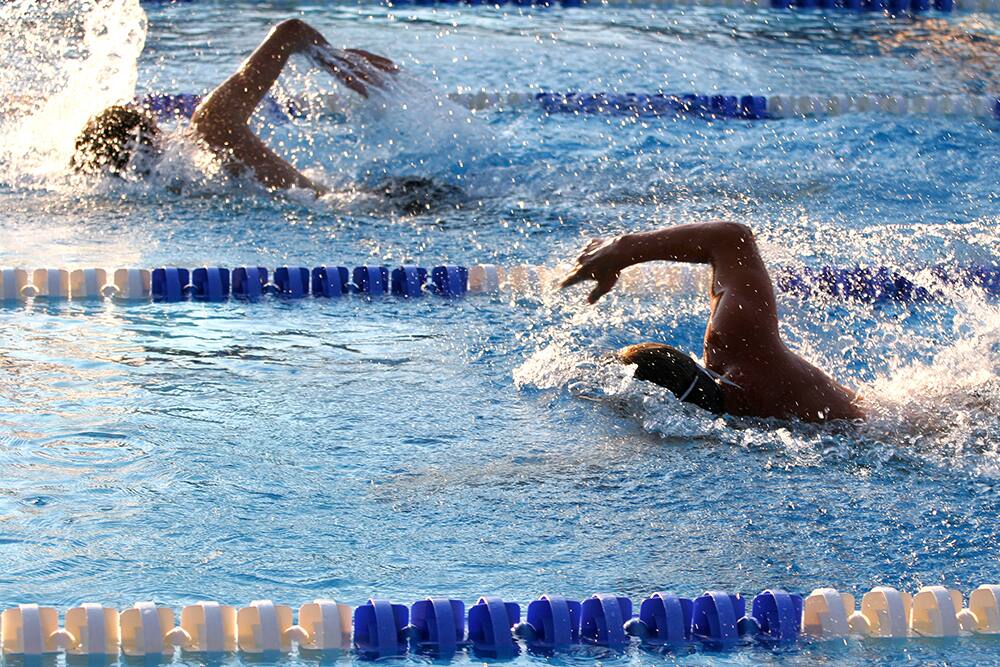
357	69
601	260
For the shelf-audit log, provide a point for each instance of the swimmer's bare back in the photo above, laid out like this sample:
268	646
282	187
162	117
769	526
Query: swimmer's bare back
742	342
221	120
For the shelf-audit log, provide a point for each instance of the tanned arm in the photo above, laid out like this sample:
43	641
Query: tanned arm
221	120
743	302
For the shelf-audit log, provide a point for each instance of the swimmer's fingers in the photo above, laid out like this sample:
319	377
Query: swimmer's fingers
378	61
572	278
340	68
604	285
351	82
587	264
361	71
373	72
605	281
351	69
596	262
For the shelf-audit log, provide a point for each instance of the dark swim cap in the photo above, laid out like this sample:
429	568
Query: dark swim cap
671	368
416	195
110	138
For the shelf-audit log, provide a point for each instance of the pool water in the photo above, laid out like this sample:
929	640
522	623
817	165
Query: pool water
349	448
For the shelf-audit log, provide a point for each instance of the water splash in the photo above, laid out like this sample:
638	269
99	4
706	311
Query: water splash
410	128
404	127
63	62
69	60
947	406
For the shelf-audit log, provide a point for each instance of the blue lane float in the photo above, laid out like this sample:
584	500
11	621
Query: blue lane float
291	281
888	7
250	282
450	280
442	629
437	626
553	624
371	280
491	621
169	284
716	616
778	615
379	628
210	283
664	618
602	620
409	281
879	285
330	281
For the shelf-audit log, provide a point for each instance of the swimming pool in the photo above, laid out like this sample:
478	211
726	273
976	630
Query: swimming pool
346	448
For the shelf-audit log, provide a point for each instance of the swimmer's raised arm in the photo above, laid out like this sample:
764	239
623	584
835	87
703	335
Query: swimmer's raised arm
221	119
729	247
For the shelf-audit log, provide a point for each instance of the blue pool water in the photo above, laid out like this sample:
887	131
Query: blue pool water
295	450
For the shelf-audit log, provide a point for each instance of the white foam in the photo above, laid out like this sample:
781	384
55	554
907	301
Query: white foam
63	63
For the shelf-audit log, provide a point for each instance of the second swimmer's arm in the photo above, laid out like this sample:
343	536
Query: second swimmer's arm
221	119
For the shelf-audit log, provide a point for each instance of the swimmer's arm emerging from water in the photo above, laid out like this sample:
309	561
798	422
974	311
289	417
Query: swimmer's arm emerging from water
221	120
744	314
728	247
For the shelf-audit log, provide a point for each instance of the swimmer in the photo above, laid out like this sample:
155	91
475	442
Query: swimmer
109	141
748	369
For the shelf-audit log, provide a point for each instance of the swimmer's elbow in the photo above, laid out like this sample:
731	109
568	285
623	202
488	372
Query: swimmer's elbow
736	232
734	242
212	127
204	119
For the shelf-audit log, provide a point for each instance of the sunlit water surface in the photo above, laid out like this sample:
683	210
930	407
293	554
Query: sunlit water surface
295	450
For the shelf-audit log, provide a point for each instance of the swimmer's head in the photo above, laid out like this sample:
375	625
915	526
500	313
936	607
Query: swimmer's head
112	138
416	195
671	368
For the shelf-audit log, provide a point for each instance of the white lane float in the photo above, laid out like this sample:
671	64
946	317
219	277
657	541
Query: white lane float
29	630
324	625
12	284
934	612
148	630
209	628
983	612
130	284
87	283
826	613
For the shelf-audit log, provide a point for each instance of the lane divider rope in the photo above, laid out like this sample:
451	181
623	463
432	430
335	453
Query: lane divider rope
714	106
492	627
216	284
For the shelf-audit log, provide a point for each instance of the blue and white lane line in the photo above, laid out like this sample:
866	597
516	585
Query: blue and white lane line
215	283
714	106
443	628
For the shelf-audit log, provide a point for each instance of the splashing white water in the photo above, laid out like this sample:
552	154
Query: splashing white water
64	61
411	129
404	127
950	405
